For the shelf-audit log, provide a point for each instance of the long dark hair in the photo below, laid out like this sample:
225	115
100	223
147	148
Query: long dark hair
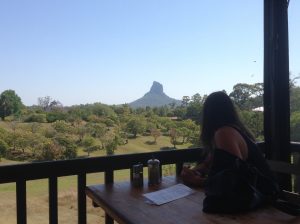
218	111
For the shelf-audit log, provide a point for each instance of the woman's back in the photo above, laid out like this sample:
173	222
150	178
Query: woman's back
232	140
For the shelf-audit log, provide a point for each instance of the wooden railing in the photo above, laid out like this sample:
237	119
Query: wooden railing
292	194
52	170
21	173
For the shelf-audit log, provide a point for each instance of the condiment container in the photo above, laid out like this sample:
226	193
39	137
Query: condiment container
153	172
137	175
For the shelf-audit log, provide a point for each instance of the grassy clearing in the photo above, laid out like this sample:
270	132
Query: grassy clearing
37	190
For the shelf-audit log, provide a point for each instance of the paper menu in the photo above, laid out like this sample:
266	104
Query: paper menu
168	194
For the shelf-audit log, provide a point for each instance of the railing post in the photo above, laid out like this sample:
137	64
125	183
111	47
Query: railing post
109	176
21	201
53	210
296	158
178	168
81	198
109	179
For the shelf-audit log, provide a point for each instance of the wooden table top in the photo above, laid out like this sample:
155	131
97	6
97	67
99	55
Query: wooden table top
126	205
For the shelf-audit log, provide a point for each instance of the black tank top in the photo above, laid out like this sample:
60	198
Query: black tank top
223	160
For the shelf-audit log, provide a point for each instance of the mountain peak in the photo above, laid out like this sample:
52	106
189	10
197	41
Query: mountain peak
157	88
154	98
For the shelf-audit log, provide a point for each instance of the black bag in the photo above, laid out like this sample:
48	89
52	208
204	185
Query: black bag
237	188
241	187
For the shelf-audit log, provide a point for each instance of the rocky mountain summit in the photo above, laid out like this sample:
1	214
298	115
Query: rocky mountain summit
154	98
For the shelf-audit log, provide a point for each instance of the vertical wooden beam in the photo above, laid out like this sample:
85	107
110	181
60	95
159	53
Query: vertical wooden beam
21	202
81	183
297	177
178	168
53	210
276	83
109	179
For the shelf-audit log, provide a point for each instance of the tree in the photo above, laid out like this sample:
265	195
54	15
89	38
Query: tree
295	98
69	147
197	99
254	122
62	127
47	104
123	110
111	146
190	131
50	151
173	136
10	103
34	117
185	101
194	109
185	133
3	148
136	126
96	129
81	131
56	115
247	96
295	126
155	133
180	112
87	142
44	102
241	95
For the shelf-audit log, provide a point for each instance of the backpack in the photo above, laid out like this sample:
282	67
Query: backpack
241	187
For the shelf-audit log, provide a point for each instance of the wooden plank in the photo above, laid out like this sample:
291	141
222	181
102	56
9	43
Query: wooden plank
53	209
283	167
292	197
21	201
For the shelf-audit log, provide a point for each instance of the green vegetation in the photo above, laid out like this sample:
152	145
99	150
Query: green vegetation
50	131
10	103
37	191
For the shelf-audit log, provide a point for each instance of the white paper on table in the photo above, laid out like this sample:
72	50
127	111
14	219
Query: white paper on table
168	194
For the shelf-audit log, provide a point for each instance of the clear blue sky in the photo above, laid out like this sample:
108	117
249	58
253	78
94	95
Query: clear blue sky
111	51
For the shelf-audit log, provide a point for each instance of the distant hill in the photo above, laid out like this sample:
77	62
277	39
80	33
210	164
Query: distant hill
154	98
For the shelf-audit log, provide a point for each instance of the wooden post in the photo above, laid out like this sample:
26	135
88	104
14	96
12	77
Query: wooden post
297	178
81	183
108	179
53	209
276	84
21	201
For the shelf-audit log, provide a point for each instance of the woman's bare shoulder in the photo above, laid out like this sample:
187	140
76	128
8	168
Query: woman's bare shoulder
226	131
228	139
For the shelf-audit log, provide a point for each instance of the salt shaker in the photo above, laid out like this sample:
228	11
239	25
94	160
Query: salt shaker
153	172
137	175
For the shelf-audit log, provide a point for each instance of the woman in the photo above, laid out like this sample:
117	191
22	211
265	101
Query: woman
223	130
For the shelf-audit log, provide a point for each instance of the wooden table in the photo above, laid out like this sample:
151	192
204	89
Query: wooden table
126	205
